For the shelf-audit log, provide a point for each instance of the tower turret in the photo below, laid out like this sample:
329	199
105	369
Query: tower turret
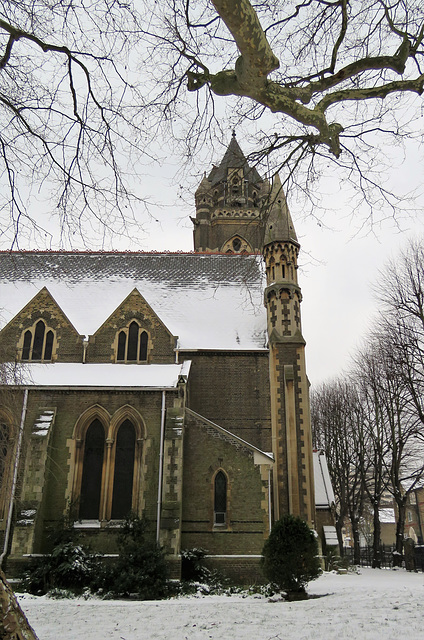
229	206
290	414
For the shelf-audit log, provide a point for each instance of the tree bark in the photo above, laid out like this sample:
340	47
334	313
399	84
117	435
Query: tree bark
400	525
13	624
376	555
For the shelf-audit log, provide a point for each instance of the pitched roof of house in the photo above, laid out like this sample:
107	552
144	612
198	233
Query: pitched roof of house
210	301
324	494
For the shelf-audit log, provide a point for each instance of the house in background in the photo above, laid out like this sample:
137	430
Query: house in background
167	384
414	517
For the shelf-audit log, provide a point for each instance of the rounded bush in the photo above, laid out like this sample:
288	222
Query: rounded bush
290	555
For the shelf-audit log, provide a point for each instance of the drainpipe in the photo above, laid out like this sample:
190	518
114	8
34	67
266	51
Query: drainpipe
161	447
15	478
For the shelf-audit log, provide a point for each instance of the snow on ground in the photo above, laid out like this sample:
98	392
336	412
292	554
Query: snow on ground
374	605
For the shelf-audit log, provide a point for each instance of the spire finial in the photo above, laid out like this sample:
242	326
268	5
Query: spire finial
234	133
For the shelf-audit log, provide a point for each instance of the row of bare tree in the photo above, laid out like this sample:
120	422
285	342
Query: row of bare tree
370	421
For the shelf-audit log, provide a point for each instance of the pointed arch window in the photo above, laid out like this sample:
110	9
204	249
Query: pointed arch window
220	498
92	472
107	464
132	344
38	342
123	471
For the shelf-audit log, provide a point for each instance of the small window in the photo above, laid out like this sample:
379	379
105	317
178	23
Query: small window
38	343
235	186
132	344
220	499
236	244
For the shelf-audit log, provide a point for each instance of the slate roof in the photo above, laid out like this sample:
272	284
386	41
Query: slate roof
210	301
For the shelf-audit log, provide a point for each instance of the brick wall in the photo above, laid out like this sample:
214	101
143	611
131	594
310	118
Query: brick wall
232	389
205	453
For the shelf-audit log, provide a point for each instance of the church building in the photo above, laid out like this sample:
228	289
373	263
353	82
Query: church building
166	384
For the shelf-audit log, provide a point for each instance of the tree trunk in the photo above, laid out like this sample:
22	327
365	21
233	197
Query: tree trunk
400	525
13	624
356	541
376	555
339	527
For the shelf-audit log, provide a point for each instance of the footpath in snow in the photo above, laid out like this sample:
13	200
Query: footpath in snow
373	605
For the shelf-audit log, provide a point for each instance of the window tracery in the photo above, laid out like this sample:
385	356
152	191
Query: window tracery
132	344
107	464
38	342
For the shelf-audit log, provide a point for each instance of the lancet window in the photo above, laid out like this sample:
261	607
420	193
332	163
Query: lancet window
38	342
220	498
108	457
132	344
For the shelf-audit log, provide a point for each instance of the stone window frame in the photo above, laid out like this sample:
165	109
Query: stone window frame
48	347
125	332
244	248
226	521
111	425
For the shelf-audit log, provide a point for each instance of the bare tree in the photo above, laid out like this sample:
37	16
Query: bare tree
68	103
337	427
86	91
392	422
400	334
318	80
401	292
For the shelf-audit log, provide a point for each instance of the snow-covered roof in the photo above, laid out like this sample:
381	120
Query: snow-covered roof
43	423
77	375
210	301
324	494
330	536
387	515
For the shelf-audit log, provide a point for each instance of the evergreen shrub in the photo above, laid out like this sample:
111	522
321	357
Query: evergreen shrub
290	555
69	566
141	569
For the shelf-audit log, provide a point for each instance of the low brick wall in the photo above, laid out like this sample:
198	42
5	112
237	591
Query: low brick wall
239	569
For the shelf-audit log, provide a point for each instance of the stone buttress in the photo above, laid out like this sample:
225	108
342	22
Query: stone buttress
290	415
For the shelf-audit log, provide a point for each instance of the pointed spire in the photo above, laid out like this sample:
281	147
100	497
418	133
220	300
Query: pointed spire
233	158
279	225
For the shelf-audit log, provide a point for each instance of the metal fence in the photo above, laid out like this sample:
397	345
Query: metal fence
366	556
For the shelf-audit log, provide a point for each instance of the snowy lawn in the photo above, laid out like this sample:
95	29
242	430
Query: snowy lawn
377	604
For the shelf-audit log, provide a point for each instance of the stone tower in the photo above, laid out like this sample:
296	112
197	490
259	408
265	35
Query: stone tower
229	206
293	485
